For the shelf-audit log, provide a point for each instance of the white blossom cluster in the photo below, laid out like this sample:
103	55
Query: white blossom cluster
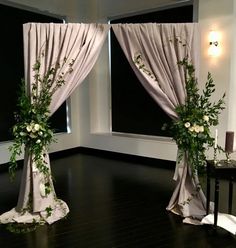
33	130
196	128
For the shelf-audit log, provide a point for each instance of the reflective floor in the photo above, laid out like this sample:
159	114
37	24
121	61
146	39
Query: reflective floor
112	204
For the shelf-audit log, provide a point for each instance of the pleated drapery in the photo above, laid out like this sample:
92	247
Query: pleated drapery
80	43
153	51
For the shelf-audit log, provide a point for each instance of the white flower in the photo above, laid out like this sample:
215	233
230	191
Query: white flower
187	124
201	129
206	118
191	129
36	127
29	128
38	141
40	133
196	128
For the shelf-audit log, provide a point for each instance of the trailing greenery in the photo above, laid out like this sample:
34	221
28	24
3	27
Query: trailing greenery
191	130
32	129
21	228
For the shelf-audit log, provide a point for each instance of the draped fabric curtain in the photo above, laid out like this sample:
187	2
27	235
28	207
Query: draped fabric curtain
153	51
79	42
82	44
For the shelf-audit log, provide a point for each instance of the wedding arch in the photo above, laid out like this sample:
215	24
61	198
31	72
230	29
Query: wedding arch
152	50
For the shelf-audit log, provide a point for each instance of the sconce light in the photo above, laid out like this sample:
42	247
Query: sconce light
214	49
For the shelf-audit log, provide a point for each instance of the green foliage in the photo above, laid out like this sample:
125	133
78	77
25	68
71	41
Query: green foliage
22	228
191	130
49	211
32	129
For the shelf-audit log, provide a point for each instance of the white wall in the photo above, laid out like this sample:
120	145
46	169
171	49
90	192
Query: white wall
91	102
220	16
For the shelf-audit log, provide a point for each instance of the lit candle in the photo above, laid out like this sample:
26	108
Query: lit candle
216	138
229	142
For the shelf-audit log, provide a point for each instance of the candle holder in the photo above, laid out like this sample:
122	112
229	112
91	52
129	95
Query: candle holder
229	145
228	159
215	156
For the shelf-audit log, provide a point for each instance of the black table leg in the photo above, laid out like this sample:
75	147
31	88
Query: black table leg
216	201
208	192
230	196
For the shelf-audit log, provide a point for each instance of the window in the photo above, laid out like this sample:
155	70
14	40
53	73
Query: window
12	66
133	109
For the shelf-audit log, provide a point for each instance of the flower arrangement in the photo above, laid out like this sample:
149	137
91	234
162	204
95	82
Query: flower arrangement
32	128
191	130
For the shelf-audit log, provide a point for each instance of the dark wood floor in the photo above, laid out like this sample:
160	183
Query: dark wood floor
113	204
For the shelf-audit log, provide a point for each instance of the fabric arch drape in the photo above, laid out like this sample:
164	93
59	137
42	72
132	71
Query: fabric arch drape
80	43
153	51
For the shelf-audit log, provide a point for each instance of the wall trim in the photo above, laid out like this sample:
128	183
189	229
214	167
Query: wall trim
160	163
154	162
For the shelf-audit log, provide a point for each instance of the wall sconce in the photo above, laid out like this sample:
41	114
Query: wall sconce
214	49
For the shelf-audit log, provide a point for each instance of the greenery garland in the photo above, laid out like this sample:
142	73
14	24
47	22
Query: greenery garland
191	130
32	129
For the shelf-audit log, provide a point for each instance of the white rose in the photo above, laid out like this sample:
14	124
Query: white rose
187	124
196	128
191	129
205	118
201	129
36	127
28	128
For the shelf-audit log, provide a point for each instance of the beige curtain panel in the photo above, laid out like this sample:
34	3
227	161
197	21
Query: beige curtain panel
153	51
81	43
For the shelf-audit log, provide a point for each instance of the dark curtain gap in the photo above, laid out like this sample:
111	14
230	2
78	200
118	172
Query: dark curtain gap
12	66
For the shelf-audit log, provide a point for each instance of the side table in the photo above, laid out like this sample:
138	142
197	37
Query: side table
220	170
